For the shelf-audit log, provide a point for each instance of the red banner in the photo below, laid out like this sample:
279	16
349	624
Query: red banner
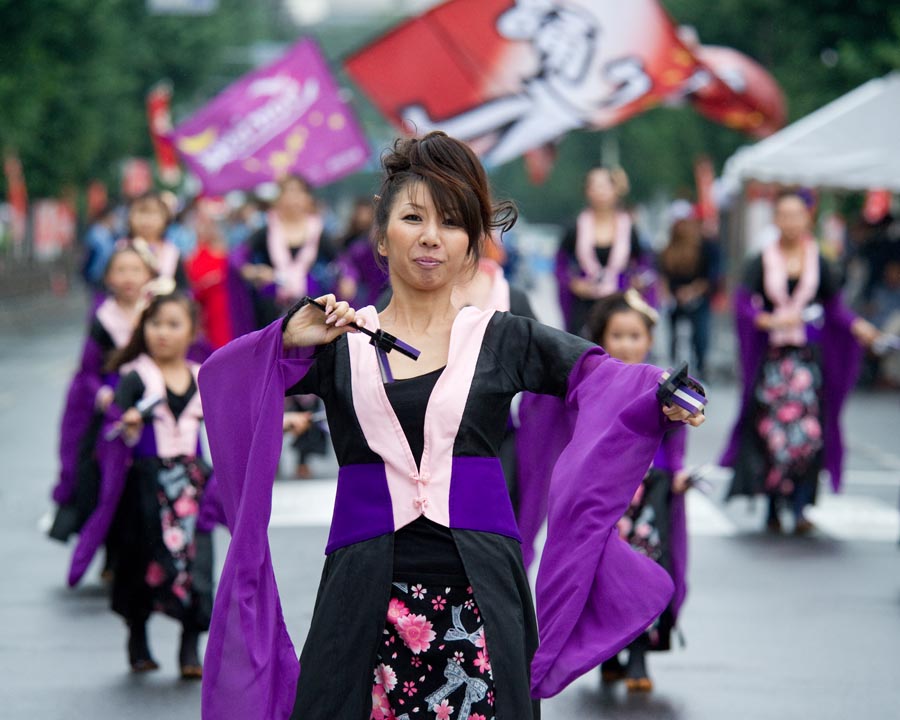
512	75
159	118
17	195
54	228
740	93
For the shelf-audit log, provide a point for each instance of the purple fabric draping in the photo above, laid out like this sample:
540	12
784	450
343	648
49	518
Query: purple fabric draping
77	416
594	593
358	263
114	458
251	668
841	358
240	302
544	430
563	275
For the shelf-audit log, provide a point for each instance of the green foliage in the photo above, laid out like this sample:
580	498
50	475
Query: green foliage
74	74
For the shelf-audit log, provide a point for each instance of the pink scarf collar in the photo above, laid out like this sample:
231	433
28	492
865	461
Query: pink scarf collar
586	254
119	323
775	284
167	256
291	272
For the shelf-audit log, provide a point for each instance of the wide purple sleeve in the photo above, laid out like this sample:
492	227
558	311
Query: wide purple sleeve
563	276
76	418
594	593
211	511
841	362
251	668
114	458
752	343
542	434
240	301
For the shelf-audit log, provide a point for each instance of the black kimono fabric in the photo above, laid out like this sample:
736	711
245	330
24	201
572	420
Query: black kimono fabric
753	461
339	654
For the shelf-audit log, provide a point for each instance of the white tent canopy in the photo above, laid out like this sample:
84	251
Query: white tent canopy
853	143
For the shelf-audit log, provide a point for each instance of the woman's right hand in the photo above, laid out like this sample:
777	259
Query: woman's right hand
310	326
132	426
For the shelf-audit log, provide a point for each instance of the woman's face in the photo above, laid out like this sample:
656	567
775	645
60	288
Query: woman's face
425	249
627	338
792	218
169	332
148	219
126	275
600	190
295	200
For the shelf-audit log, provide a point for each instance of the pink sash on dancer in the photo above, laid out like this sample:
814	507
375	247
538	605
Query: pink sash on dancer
586	254
167	256
174	438
775	284
291	273
118	322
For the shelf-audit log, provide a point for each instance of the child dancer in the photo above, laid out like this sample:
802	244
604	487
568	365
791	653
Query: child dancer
156	489
148	218
654	523
129	269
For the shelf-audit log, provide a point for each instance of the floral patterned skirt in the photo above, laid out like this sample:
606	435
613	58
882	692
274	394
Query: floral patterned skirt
788	420
433	660
164	565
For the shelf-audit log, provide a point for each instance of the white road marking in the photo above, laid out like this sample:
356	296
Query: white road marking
856	517
309	503
303	503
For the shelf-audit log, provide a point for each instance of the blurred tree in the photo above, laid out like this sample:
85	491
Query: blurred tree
74	73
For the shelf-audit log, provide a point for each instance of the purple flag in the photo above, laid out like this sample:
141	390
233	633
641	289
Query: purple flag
287	117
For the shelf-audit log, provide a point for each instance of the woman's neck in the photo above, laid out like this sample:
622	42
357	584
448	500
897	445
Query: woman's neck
419	310
291	218
604	212
171	364
128	306
790	245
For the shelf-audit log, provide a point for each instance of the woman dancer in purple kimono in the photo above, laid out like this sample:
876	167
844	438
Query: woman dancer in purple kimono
424	605
129	269
597	255
277	263
654	524
800	353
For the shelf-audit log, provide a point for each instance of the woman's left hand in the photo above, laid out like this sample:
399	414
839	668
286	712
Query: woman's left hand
676	413
864	332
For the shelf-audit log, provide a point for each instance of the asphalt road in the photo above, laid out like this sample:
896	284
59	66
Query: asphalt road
775	627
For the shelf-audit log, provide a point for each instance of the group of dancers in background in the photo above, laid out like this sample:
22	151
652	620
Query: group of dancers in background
135	482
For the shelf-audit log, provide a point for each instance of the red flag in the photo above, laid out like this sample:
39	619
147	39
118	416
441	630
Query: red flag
17	194
876	206
159	117
704	177
137	177
539	162
740	93
516	74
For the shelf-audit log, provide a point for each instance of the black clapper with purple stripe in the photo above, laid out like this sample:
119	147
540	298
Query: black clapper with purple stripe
383	343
